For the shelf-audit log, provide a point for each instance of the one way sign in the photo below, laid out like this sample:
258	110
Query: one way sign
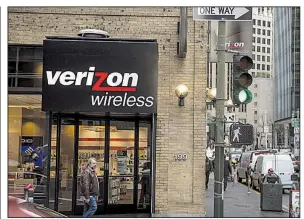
222	13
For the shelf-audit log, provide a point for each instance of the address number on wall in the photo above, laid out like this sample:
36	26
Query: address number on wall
180	156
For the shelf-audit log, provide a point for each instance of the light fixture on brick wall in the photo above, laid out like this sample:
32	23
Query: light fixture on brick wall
181	92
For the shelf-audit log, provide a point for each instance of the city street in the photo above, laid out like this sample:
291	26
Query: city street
237	202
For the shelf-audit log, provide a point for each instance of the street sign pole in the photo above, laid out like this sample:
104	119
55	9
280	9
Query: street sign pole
219	107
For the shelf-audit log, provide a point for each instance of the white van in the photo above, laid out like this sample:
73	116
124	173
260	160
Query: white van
281	165
248	159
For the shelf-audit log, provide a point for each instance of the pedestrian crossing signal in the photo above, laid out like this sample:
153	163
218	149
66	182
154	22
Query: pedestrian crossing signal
241	134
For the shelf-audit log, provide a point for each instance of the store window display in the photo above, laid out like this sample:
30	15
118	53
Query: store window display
27	146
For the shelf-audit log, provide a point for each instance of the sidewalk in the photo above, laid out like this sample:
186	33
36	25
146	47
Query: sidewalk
237	202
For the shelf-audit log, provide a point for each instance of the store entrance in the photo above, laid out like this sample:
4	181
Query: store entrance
122	149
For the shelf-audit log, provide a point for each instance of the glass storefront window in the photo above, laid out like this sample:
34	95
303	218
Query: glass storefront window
27	146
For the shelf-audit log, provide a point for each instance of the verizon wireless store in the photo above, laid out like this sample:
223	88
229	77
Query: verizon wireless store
72	98
102	94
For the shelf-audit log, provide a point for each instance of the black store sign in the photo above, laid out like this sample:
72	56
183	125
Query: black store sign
100	76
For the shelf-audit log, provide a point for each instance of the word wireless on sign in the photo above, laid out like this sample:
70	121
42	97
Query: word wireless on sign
113	82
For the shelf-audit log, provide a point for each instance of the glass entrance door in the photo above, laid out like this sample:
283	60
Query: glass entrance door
122	173
91	144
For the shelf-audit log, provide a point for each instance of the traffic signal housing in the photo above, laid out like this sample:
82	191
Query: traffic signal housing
241	80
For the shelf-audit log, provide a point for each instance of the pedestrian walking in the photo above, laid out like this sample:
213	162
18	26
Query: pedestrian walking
89	188
208	170
227	171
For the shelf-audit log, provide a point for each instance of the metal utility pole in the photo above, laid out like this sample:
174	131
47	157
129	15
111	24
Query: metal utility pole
219	107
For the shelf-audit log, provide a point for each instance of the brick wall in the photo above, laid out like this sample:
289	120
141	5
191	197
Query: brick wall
180	187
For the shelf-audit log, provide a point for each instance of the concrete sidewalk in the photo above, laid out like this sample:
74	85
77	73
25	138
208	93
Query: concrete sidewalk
238	203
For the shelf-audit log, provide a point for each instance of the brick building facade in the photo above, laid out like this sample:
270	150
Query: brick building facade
180	187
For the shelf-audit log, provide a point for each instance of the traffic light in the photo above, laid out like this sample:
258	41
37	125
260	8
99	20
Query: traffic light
241	80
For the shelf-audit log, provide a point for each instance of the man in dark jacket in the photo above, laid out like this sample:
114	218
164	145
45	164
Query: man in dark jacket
89	188
208	170
227	171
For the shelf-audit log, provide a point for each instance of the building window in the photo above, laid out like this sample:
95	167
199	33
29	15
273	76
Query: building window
263	67
268	32
268	67
243	108
258	40
259	22
253	21
259	58
25	66
255	85
255	94
258	48
264	32
264	23
253	67
263	57
258	66
263	50
255	112
255	121
253	74
268	41
253	48
255	103
253	39
253	56
263	40
268	58
268	50
254	30
259	31
268	24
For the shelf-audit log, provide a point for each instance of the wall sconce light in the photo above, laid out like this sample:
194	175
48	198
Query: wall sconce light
210	96
181	92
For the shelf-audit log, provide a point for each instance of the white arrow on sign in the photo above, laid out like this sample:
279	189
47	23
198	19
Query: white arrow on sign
236	11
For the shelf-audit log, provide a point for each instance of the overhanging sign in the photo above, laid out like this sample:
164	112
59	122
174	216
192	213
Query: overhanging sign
222	13
100	76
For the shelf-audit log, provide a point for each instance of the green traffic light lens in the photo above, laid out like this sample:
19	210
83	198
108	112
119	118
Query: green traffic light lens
242	96
245	96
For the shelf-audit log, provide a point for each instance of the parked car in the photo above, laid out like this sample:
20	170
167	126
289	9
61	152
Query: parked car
21	208
281	165
248	159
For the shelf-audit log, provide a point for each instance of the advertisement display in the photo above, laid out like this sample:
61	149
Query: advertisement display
122	162
238	39
100	75
31	150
